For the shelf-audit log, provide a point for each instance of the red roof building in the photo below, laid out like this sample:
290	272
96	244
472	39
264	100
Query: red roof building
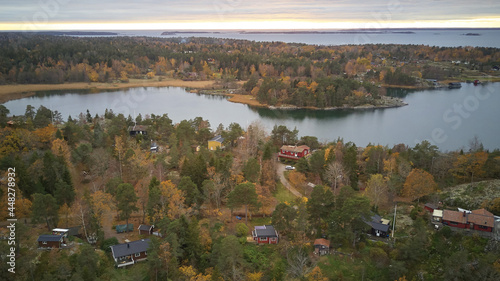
481	220
294	152
455	219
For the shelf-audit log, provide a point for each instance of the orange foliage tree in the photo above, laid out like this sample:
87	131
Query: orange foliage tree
418	183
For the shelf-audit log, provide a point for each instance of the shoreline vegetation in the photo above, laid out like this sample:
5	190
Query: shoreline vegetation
275	75
19	91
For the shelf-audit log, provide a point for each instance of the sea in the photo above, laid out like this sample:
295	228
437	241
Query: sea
449	37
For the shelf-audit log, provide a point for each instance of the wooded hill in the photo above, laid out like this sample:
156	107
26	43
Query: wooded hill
277	73
89	171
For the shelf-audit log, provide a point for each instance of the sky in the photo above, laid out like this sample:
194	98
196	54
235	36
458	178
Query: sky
240	14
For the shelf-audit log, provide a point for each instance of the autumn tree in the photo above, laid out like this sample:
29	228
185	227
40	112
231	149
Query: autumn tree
376	190
244	194
297	179
126	201
470	165
418	183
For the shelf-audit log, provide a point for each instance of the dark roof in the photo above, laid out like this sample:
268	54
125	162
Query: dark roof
218	138
75	230
380	226
130	248
322	241
137	128
430	205
145	227
265	231
49	238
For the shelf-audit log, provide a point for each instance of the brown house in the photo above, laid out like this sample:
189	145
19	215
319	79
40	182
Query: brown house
131	252
50	241
138	130
321	247
481	220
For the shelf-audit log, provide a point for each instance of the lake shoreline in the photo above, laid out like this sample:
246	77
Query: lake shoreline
387	102
19	91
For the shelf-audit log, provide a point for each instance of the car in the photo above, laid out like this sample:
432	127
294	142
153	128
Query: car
289	167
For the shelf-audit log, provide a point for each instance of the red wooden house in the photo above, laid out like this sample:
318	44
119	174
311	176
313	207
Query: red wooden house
294	152
130	253
481	220
455	219
50	241
265	234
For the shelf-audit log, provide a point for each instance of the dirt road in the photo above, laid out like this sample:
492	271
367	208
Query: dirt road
280	170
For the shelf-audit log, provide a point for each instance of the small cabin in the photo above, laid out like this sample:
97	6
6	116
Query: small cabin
130	253
50	241
265	234
321	247
215	143
379	226
145	229
138	130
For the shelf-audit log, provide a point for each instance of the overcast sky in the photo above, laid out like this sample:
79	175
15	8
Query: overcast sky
238	13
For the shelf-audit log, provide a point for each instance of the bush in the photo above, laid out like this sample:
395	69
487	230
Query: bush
241	230
105	246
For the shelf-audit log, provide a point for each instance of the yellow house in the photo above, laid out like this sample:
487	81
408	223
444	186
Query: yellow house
215	143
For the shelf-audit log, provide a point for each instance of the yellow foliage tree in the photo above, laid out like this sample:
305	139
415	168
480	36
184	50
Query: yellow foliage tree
47	134
101	204
60	148
418	183
376	189
297	179
470	165
255	276
316	275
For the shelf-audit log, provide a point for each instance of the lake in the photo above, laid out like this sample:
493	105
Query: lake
448	118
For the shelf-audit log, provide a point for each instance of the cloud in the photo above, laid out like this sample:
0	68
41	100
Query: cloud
68	11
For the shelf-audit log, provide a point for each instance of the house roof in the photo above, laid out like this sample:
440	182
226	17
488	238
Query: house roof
380	226
218	138
265	231
295	148
437	213
430	205
482	217
322	242
145	227
137	128
454	216
130	248
49	238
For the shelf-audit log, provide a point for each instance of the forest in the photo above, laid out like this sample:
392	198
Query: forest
88	170
275	73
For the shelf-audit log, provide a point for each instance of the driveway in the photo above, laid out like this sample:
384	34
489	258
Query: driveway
280	170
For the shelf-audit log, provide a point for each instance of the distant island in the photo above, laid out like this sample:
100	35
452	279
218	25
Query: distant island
75	33
328	32
472	34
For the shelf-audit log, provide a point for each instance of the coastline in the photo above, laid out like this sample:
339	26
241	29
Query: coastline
387	102
19	91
